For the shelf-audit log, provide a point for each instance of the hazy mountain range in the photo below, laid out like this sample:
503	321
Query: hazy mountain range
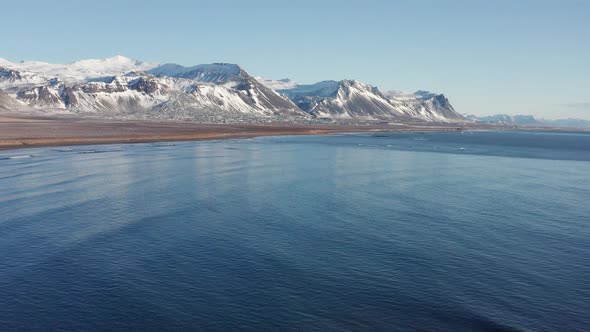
529	121
122	87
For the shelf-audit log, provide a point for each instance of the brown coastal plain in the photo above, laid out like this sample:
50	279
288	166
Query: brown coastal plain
24	130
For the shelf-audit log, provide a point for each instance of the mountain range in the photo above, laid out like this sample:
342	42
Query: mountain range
124	88
529	121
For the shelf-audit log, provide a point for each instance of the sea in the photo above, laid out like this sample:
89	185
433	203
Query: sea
388	231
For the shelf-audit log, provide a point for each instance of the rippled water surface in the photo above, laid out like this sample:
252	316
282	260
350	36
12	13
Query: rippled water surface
390	231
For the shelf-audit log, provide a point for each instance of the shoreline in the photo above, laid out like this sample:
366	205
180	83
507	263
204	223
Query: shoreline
23	131
39	143
19	132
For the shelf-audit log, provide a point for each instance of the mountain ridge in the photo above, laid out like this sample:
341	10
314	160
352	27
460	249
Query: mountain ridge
528	121
120	86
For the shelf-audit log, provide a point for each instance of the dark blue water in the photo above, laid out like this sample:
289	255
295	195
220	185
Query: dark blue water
474	231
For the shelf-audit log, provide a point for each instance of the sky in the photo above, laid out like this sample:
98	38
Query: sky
487	57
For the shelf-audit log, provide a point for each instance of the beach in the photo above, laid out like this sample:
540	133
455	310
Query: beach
26	130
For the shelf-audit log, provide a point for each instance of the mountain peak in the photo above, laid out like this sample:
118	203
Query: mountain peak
355	83
423	93
221	68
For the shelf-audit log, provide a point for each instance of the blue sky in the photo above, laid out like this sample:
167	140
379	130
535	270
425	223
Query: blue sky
516	57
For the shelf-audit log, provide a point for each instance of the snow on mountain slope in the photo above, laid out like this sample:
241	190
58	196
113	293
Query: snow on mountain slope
122	86
141	95
117	64
217	73
81	70
5	63
254	93
425	105
12	80
438	108
353	99
343	99
211	102
8	103
116	94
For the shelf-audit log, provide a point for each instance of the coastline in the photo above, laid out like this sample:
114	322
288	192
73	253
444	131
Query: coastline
19	132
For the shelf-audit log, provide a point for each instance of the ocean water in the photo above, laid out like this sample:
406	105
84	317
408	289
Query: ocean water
450	231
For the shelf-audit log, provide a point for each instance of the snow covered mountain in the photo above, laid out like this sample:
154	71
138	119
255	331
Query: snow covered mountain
425	105
122	87
110	95
255	94
79	70
349	99
343	100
